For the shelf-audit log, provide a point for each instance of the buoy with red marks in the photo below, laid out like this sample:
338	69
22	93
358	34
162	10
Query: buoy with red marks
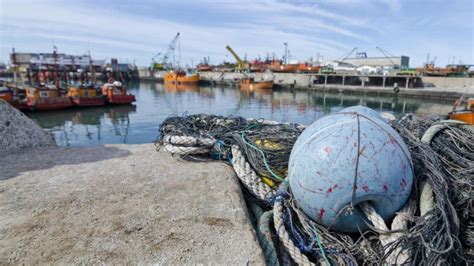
347	158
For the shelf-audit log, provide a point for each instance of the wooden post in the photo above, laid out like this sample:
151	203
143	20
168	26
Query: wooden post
325	80
343	80
383	82
408	81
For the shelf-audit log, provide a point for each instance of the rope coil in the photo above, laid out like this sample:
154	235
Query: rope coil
443	158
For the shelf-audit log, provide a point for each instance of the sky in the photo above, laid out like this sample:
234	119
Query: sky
135	31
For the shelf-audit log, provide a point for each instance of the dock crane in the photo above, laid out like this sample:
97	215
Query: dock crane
241	65
163	62
387	56
347	55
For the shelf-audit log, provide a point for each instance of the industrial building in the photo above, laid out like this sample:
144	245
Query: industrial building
50	59
393	61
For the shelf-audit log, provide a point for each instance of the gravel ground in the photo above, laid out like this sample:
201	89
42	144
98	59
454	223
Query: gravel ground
120	204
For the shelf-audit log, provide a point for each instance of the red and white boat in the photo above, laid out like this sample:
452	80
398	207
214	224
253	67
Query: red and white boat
116	93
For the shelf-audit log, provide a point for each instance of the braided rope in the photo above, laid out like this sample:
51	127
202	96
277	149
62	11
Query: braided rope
399	255
285	258
266	241
284	236
188	141
427	196
184	145
184	150
248	176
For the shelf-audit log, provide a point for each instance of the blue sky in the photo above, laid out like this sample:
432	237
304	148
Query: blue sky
137	30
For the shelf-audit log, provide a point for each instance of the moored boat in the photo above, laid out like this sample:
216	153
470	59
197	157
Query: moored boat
204	67
180	77
46	98
85	96
116	93
250	83
466	115
5	93
306	68
176	88
278	66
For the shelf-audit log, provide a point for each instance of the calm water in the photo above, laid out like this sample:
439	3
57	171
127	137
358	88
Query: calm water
139	123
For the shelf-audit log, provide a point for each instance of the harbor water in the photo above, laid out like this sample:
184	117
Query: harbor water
139	123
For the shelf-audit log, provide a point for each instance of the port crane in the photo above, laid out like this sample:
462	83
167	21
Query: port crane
164	59
347	55
387	56
241	65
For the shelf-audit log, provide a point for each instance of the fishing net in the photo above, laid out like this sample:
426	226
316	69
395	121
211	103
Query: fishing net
437	222
265	145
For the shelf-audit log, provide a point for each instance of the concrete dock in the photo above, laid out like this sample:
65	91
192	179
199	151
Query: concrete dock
441	88
120	204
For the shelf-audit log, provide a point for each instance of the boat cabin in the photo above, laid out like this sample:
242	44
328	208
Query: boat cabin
42	92
82	91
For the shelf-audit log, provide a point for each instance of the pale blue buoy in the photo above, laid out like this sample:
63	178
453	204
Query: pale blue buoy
328	154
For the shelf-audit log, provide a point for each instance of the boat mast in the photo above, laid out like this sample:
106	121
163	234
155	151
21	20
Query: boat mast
14	66
91	69
56	80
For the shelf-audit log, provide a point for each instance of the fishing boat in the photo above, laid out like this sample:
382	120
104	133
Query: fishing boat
83	95
177	88
251	84
307	68
180	77
204	68
5	93
466	115
46	97
116	93
278	66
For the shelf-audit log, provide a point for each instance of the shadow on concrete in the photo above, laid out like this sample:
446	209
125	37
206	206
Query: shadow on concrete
13	163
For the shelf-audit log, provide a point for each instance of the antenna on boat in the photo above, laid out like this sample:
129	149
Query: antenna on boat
91	69
13	59
179	52
55	54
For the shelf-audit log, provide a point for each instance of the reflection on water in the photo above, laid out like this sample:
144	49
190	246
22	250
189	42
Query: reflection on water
139	123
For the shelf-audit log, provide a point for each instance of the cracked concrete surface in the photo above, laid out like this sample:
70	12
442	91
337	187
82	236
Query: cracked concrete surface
120	204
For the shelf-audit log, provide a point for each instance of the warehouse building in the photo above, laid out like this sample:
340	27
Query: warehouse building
394	61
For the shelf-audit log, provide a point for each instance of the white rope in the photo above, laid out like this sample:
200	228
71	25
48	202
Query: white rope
434	129
284	236
185	145
184	150
249	178
189	141
427	196
400	223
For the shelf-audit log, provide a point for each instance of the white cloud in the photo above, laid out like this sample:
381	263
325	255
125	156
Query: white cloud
144	36
251	27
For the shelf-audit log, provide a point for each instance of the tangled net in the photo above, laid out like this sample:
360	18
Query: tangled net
435	226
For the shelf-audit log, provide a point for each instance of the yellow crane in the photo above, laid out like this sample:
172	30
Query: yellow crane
241	65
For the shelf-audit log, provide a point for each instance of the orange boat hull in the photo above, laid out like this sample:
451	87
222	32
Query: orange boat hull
44	104
257	85
87	101
6	95
467	116
179	78
309	69
284	68
204	68
121	99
